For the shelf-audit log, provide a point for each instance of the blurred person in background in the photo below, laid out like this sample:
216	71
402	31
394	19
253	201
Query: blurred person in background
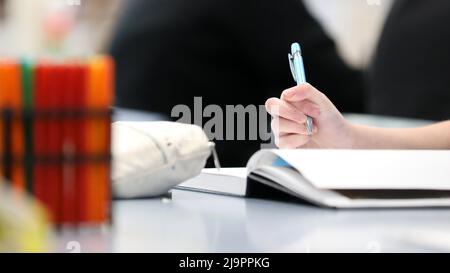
99	17
409	75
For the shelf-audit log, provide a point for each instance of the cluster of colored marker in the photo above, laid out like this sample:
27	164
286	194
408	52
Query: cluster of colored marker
55	134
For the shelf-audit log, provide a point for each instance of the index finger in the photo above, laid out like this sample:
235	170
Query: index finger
303	92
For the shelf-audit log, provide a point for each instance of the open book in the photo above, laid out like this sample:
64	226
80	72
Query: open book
338	178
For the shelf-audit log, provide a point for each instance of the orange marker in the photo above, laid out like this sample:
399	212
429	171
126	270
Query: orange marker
11	98
3	100
18	137
100	97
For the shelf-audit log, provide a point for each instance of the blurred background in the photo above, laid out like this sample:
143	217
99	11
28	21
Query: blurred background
201	42
370	57
48	26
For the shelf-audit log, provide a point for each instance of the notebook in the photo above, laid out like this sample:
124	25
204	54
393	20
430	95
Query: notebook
337	178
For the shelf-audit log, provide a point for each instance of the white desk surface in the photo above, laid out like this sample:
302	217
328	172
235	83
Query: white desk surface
199	222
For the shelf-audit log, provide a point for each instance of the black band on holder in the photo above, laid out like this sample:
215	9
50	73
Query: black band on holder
57	159
28	158
75	159
56	113
7	159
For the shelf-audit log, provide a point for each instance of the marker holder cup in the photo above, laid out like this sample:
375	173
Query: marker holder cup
75	184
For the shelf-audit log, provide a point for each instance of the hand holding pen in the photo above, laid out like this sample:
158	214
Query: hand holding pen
304	117
328	129
332	131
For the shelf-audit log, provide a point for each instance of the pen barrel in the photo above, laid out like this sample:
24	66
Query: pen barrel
300	77
299	69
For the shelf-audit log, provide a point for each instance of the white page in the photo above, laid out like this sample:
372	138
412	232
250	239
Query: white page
232	181
372	169
236	172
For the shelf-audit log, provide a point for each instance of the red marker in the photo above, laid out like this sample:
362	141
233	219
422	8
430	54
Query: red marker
40	129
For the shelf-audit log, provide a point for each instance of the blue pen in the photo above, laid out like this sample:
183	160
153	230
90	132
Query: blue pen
298	72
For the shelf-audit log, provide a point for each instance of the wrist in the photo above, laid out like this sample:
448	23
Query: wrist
353	136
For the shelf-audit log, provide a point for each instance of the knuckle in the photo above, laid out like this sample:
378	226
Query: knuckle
305	88
286	142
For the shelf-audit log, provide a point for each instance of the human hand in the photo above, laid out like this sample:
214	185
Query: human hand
289	114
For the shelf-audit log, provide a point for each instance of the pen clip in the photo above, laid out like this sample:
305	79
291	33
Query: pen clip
291	65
